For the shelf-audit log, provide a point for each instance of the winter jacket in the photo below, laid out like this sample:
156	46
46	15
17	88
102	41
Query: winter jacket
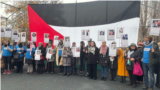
114	64
93	58
103	58
67	55
82	56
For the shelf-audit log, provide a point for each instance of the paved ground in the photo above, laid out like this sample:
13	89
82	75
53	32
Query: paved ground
58	82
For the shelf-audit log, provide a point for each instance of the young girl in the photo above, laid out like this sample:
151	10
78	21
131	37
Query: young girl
21	50
7	53
103	60
29	56
82	58
67	55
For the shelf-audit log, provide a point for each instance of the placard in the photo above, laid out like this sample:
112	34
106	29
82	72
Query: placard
46	37
124	40
2	32
56	40
49	53
155	27
87	35
14	34
67	41
83	34
23	36
120	31
77	52
33	36
19	37
112	50
37	54
101	35
73	49
111	35
8	32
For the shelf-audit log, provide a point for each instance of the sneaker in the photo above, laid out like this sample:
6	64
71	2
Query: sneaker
145	87
9	72
150	88
5	72
102	78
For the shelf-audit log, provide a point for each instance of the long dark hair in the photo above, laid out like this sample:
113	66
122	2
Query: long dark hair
94	44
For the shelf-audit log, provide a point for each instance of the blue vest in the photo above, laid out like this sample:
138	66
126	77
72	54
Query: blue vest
28	55
6	52
146	53
20	50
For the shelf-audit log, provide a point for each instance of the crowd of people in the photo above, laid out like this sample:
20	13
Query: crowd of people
146	54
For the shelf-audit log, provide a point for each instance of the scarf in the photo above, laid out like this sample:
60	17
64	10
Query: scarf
129	53
148	44
31	46
111	59
92	50
103	49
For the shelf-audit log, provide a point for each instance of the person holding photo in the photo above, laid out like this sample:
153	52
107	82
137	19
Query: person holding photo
67	55
50	62
113	61
7	50
34	61
93	56
42	57
59	58
29	57
103	60
20	49
82	58
121	65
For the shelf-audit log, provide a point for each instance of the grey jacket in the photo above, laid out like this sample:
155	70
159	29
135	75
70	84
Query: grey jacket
67	55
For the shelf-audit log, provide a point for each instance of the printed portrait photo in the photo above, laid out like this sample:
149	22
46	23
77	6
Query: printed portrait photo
66	39
8	29
15	32
38	52
77	49
83	32
33	34
125	37
50	51
2	29
56	38
23	35
111	32
46	35
87	33
156	23
121	30
101	33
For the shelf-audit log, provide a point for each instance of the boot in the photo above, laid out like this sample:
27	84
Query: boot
80	73
102	78
121	79
124	79
68	74
65	73
75	71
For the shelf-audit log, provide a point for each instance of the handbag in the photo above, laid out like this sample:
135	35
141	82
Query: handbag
137	69
16	56
42	57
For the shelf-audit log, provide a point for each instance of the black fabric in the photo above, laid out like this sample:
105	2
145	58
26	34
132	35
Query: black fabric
132	77
61	68
29	61
103	59
81	67
50	66
92	59
93	70
7	61
113	73
113	65
87	14
19	66
82	56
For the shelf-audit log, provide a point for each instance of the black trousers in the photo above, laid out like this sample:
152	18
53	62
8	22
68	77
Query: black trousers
113	73
19	66
82	68
93	70
40	68
50	66
139	78
34	65
158	78
61	69
7	61
132	77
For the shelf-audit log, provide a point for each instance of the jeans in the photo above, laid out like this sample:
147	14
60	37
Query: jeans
66	69
104	71
147	68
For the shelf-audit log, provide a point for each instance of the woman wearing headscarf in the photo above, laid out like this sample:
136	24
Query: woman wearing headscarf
93	56
40	62
113	60
50	62
29	56
59	58
131	56
103	60
20	49
6	55
121	65
34	62
67	55
82	57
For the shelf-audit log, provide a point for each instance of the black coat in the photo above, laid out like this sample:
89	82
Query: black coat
92	59
134	55
103	58
82	56
113	65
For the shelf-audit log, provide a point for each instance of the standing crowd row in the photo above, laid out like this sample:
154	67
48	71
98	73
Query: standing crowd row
147	54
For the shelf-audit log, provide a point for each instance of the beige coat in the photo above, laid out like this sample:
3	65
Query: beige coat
57	57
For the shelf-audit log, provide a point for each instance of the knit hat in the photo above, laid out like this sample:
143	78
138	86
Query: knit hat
140	45
133	44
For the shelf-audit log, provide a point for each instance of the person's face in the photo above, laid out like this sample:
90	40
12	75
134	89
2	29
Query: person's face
74	44
39	45
133	47
92	44
103	43
49	44
146	39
